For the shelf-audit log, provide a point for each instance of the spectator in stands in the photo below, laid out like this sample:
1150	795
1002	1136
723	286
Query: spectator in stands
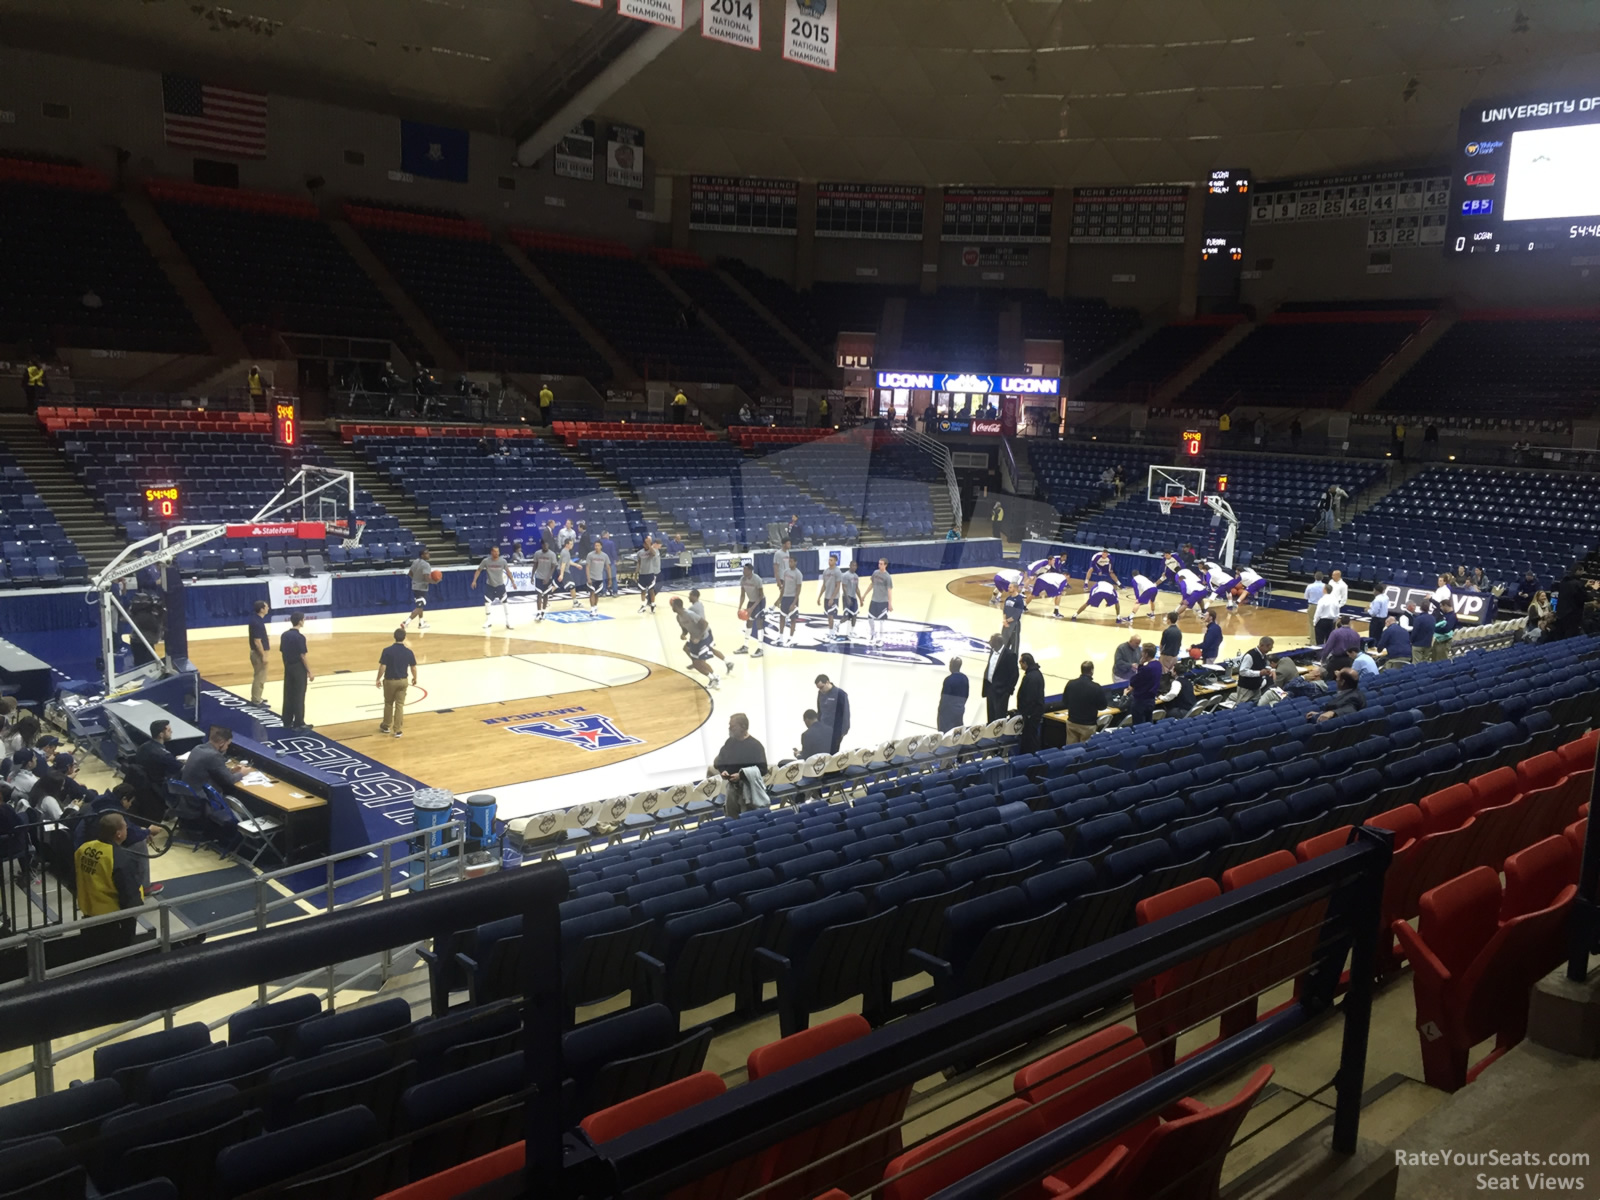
296	673
33	384
1570	597
1445	624
1178	699
1085	699
1339	587
260	647
680	408
1253	671
256	386
1327	614
1225	429
1210	646
814	739
1539	611
738	752
23	734
1421	633
1347	698
107	881
1394	643
546	399
833	711
1284	671
59	781
1313	681
1030	703
1259	430
22	778
953	695
1126	659
1377	611
746	415
1397	435
1171	642
1441	591
999	677
1315	590
1144	687
1340	646
793	534
954	535
1118	482
1526	590
1364	664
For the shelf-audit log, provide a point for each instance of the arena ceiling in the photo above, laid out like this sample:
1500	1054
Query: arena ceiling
928	91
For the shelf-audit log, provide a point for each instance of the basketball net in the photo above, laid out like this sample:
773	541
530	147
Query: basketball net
1166	507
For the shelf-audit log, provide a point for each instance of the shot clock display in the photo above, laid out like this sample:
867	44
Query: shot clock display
285	424
1193	443
163	502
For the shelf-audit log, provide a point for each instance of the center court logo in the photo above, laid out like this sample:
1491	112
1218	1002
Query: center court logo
594	732
917	643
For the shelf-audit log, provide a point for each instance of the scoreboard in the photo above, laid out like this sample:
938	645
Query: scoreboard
163	502
1403	209
732	205
997	214
1227	209
1526	177
285	424
880	211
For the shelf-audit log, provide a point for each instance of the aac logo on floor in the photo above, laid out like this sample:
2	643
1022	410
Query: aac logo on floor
593	732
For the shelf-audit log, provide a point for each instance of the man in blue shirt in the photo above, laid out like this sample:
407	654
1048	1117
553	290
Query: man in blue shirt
1377	611
1364	665
1394	643
1421	634
259	647
1144	687
1211	640
395	663
1314	592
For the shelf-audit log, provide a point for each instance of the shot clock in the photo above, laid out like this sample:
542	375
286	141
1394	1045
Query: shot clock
1193	443
163	502
285	424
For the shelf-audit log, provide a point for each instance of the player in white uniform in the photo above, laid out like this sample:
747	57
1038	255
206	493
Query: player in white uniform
545	566
881	603
830	585
1103	586
649	573
498	578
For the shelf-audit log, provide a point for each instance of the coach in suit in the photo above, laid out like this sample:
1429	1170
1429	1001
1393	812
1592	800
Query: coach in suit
999	677
1030	703
833	711
953	698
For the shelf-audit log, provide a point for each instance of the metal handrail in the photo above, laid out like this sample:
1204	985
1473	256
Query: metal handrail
936	450
446	850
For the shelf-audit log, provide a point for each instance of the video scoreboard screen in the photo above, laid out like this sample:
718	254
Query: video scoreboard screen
732	205
880	211
997	214
1528	175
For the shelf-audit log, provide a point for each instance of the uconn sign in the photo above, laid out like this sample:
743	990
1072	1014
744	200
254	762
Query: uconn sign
998	385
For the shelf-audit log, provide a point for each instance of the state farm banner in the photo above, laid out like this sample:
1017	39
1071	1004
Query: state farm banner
625	157
656	12
289	591
737	22
811	33
279	529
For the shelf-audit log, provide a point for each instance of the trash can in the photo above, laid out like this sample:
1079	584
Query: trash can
480	822
430	810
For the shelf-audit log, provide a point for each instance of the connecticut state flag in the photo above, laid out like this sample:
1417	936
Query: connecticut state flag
433	151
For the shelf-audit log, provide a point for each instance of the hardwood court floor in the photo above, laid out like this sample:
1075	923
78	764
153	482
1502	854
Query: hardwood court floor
629	666
460	715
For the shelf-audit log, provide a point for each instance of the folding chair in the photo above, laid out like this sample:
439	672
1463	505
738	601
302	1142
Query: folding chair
228	813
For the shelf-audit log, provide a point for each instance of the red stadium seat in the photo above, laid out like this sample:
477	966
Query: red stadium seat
659	1102
940	1161
1472	972
1159	1002
1448	809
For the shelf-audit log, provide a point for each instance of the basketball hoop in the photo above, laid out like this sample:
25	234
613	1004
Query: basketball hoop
1166	507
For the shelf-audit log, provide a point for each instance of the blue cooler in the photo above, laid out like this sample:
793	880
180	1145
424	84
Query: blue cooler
430	810
480	822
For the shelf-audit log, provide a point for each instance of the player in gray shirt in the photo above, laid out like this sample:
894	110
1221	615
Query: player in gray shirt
497	574
832	584
598	567
789	585
753	606
699	645
850	594
421	573
782	560
882	603
545	566
697	608
649	573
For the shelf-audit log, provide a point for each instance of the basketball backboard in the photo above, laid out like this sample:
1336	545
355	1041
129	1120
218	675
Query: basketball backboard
1176	485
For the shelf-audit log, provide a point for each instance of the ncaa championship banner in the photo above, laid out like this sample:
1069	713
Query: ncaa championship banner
811	33
288	591
657	12
625	157
736	22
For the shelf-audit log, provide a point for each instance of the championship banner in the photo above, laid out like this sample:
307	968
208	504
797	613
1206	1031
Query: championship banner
625	157
1403	209
1129	216
811	33
656	12
574	156
288	591
887	211
737	22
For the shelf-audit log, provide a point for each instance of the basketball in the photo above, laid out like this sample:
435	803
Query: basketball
436	576
744	614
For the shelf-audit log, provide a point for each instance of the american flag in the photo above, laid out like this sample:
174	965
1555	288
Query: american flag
202	116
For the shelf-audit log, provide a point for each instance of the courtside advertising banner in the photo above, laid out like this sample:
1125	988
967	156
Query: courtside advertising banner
731	566
811	33
656	12
289	591
737	22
